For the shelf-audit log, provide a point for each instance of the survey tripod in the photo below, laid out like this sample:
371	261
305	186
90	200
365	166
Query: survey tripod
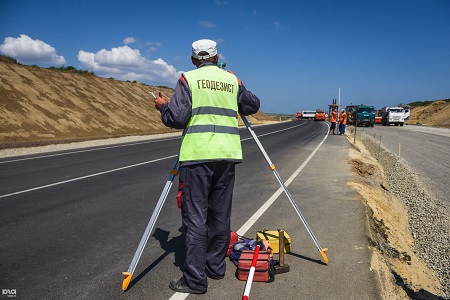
173	173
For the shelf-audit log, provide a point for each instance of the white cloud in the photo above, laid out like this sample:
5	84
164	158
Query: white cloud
219	40
29	51
152	46
222	58
129	40
155	44
124	63
207	24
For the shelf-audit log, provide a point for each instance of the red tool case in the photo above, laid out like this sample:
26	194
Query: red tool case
262	266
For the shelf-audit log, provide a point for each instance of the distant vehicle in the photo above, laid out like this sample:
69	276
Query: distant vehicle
392	115
308	114
378	117
365	115
351	114
360	115
320	115
407	109
299	115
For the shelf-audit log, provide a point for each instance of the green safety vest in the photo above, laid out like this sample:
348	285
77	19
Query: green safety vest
212	132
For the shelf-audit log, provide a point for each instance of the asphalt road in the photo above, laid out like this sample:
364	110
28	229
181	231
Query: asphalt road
425	149
70	222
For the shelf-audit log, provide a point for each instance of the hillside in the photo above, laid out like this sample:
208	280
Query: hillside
41	106
434	113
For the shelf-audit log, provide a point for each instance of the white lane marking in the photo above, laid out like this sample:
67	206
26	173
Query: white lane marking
251	138
84	177
101	173
84	150
241	231
115	146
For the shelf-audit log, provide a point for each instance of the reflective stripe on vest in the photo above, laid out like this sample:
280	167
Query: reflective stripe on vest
212	133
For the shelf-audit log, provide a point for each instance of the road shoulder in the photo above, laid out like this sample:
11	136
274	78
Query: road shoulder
338	221
403	273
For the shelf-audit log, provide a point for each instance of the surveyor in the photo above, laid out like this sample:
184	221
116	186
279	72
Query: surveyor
342	121
205	103
333	119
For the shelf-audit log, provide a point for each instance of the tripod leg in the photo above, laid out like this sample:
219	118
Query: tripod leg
129	274
272	167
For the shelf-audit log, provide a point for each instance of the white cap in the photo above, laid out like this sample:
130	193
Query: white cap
207	46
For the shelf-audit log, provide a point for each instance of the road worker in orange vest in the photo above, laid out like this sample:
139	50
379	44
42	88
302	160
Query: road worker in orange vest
342	121
333	119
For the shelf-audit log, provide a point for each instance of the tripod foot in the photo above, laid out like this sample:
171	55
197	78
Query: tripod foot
324	256
126	280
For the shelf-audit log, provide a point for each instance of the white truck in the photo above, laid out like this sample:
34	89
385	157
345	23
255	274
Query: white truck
309	114
407	109
392	115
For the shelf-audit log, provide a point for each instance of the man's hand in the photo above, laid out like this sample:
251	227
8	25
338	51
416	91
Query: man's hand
159	101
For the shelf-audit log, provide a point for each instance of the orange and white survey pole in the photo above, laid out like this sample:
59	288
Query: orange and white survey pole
277	176
248	284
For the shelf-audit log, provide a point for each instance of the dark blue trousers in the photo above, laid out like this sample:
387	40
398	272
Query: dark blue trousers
206	197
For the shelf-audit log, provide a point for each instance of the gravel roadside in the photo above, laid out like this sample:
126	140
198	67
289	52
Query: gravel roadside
428	216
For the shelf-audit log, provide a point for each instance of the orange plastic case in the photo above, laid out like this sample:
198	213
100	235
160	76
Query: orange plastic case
262	266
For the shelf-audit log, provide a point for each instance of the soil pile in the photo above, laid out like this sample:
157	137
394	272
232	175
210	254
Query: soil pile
437	114
39	106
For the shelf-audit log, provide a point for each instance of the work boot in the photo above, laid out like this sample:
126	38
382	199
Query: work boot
181	286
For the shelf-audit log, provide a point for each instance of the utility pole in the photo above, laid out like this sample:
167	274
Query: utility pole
339	110
339	99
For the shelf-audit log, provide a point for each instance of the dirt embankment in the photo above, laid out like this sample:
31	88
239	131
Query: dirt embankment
411	256
435	114
39	106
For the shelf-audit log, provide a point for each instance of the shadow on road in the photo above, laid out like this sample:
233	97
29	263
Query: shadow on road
317	261
175	245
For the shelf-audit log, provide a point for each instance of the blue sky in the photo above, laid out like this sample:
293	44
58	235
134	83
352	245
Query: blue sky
294	55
